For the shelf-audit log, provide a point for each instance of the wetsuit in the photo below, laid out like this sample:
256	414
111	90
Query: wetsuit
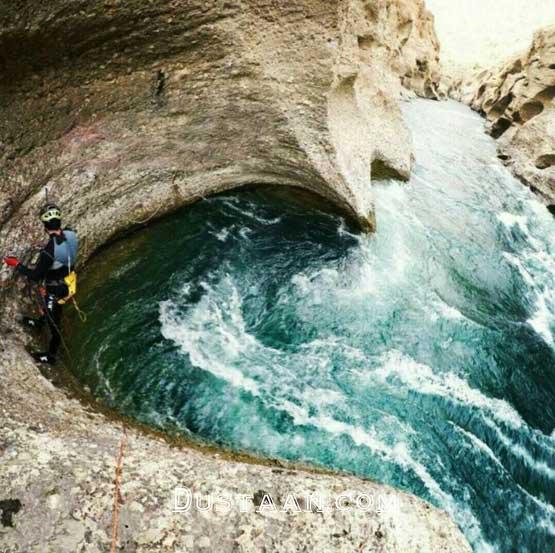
50	271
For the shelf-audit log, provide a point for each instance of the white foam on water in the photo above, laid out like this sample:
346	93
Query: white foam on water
250	213
516	262
448	311
322	397
517	450
244	233
461	514
103	377
361	277
223	234
548	520
422	379
334	344
549	511
511	219
118	273
536	266
541	320
302	283
342	230
359	435
368	281
369	438
479	444
400	455
230	201
211	323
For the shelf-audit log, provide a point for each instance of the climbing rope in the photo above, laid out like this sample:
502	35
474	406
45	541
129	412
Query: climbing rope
36	293
118	500
80	313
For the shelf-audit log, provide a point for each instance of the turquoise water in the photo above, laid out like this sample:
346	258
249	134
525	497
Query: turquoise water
422	356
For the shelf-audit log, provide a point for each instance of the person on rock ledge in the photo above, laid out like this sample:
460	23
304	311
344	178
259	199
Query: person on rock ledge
54	273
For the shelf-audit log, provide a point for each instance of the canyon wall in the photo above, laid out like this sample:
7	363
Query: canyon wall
127	110
517	100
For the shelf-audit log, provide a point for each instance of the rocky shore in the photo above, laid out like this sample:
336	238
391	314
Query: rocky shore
58	460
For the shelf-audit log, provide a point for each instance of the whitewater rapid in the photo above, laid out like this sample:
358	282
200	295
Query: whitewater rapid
422	356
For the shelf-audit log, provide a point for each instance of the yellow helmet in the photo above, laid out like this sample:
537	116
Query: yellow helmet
49	213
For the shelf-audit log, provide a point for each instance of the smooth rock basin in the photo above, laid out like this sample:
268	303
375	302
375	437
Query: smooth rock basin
421	356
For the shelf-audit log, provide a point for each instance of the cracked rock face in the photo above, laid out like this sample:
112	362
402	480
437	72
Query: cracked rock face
518	103
127	110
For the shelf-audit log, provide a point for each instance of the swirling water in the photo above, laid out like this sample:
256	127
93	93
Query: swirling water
422	356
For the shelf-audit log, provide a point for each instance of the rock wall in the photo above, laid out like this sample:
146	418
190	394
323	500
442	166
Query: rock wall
517	100
130	109
126	111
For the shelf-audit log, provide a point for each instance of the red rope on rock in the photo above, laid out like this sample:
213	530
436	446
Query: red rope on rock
118	500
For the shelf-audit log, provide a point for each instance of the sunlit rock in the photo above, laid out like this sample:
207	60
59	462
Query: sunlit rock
517	100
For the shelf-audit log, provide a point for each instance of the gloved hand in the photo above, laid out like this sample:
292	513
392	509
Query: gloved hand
11	261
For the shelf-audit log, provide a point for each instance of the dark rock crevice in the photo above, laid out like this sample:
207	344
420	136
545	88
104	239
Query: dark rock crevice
9	508
545	161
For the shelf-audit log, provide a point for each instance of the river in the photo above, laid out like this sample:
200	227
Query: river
422	356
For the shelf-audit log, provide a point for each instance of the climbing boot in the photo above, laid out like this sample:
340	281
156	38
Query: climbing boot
29	322
43	357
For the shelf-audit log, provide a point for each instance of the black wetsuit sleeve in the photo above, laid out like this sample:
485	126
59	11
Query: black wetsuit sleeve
44	263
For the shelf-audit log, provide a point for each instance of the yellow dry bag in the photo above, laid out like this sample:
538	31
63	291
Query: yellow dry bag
71	283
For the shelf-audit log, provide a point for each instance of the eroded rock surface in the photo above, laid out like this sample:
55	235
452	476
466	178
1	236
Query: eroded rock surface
134	108
517	100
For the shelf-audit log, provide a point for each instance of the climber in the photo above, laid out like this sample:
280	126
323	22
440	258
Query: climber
54	273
